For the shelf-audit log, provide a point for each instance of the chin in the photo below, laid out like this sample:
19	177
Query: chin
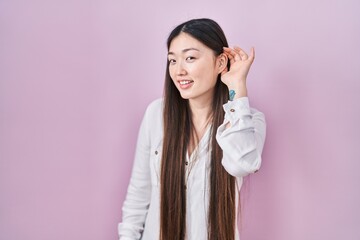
186	96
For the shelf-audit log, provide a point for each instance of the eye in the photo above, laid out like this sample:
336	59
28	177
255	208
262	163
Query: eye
172	61
190	59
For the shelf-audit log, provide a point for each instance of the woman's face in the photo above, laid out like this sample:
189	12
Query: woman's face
193	68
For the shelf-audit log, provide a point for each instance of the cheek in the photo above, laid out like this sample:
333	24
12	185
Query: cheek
171	72
204	70
207	73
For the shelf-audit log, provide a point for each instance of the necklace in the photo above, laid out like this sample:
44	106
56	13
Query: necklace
192	159
189	165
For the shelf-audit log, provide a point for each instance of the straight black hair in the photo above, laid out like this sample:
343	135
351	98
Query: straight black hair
178	129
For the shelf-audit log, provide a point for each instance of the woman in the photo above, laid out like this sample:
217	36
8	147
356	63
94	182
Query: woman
196	144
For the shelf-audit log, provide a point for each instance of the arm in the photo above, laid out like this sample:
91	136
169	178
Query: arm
241	137
139	191
242	134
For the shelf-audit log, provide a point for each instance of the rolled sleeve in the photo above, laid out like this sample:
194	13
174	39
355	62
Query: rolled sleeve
241	137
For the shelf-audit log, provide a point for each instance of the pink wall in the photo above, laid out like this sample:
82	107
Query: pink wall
76	76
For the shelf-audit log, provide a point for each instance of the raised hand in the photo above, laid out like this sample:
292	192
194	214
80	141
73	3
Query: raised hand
235	77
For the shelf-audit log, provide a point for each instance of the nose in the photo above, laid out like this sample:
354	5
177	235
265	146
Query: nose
180	69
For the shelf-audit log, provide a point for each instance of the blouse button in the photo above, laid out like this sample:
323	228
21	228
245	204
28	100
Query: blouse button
156	152
186	163
232	110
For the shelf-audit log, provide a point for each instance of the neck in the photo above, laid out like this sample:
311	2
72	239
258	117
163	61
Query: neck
201	112
200	119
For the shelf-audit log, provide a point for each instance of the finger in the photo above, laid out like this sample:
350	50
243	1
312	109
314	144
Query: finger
235	55
231	58
237	49
227	51
252	53
224	71
242	53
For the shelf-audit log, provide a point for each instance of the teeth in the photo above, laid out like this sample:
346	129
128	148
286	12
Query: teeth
185	82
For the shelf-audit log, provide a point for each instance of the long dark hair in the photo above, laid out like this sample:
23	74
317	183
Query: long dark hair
178	130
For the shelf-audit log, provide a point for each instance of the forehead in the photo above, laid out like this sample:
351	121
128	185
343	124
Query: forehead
186	41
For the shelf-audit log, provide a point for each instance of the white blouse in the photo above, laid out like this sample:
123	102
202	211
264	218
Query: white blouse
242	145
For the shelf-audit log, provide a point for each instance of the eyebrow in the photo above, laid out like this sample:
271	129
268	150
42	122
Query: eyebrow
184	50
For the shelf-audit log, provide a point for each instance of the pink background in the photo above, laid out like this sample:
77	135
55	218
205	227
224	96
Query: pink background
76	76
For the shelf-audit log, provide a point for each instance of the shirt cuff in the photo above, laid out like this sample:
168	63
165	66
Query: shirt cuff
237	109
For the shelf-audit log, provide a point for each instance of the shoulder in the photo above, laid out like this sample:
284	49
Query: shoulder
154	112
155	105
155	108
153	120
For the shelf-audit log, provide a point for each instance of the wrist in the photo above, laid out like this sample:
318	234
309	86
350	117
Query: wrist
240	93
237	91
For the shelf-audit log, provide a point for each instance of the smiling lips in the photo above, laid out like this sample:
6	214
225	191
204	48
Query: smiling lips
184	84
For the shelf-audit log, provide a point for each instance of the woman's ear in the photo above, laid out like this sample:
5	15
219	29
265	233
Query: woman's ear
222	61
